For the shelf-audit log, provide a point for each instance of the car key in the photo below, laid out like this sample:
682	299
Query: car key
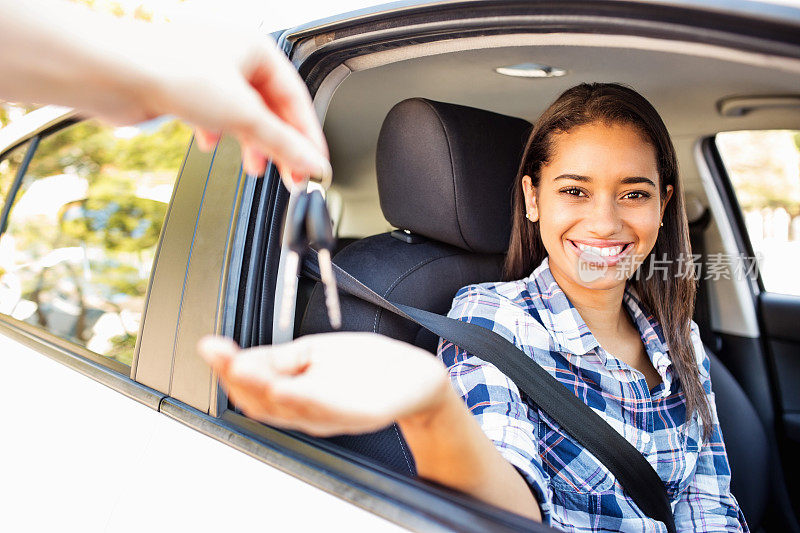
320	233
297	239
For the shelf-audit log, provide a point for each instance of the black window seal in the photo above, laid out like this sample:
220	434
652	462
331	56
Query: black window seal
17	183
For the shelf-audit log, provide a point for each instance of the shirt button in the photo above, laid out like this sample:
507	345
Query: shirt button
645	437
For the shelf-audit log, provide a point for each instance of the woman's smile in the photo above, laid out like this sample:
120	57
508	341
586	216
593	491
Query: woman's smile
604	252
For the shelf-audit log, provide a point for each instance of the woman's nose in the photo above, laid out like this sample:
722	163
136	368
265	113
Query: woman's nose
605	219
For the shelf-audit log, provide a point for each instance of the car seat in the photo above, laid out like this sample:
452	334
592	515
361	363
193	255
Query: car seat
445	177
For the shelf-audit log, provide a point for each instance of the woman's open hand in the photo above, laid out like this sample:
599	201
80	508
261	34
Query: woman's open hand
329	384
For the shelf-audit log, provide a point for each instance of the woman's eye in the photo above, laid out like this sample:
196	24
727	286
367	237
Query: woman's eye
637	195
573	191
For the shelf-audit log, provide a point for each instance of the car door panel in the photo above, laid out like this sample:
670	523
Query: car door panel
153	359
70	440
205	280
781	317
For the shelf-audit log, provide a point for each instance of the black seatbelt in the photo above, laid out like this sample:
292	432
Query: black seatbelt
625	462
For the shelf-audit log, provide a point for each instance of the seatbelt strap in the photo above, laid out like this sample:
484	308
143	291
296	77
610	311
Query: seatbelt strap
625	462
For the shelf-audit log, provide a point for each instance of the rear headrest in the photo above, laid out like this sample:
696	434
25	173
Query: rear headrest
447	171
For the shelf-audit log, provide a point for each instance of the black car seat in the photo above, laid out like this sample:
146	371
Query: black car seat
445	177
746	443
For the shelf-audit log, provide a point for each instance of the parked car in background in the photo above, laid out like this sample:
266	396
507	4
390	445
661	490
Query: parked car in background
121	247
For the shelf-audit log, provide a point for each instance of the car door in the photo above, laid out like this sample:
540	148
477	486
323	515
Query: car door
757	174
194	461
99	232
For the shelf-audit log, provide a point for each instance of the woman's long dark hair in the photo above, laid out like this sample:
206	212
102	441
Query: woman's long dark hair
669	296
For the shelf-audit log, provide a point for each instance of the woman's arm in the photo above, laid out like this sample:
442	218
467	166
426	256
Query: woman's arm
360	382
450	448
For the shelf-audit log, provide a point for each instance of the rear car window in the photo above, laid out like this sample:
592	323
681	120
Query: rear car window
83	230
764	168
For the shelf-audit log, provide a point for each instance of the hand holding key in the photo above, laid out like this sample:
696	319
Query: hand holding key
308	222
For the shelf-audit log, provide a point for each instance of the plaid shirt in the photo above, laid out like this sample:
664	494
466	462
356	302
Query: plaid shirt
574	490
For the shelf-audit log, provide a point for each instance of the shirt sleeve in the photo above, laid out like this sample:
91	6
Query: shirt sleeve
707	503
493	398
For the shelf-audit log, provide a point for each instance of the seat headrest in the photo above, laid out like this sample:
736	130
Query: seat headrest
446	172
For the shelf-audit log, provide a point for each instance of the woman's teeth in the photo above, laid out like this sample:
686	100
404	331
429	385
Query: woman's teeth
605	251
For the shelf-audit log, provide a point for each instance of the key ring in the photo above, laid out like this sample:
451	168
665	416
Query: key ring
308	222
324	179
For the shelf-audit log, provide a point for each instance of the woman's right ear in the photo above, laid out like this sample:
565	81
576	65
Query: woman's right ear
531	207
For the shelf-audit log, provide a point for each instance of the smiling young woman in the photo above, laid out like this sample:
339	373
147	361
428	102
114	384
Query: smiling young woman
597	201
601	164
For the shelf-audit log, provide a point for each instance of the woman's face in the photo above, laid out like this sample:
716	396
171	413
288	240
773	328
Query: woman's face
598	204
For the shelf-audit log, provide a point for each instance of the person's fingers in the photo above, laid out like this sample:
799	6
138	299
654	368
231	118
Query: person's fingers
206	140
219	352
253	160
287	96
256	399
290	359
270	364
256	125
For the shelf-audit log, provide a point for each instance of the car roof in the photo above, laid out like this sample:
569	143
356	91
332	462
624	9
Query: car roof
776	10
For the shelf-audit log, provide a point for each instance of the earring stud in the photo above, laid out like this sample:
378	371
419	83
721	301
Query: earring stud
528	216
662	223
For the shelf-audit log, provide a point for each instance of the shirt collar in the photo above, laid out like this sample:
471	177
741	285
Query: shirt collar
571	333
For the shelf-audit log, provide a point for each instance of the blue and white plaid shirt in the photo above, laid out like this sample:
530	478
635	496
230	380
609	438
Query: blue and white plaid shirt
575	491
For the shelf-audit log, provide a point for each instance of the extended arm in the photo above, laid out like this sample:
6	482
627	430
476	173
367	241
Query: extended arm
356	383
231	80
450	448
